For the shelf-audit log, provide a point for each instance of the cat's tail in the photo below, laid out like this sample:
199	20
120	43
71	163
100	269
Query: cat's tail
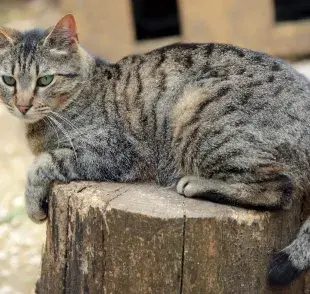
287	264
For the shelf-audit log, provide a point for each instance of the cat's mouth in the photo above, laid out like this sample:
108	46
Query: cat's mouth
29	115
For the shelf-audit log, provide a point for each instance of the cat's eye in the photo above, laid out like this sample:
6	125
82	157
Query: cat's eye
45	80
10	81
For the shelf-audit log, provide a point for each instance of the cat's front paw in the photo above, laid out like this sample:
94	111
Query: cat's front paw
37	202
37	188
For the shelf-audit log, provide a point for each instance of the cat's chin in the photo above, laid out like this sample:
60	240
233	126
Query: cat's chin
31	120
28	120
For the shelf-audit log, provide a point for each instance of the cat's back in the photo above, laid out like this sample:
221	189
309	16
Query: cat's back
225	61
214	77
211	64
218	85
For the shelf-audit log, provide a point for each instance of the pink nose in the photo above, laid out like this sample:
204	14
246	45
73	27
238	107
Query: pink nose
23	109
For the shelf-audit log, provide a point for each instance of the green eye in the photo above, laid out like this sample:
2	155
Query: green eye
10	81
44	81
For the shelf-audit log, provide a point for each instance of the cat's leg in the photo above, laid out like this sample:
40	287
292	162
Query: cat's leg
96	157
57	165
94	162
289	263
272	192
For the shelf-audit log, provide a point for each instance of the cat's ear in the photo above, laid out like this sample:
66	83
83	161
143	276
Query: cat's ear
63	37
8	38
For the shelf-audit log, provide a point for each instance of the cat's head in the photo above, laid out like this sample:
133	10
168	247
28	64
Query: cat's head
41	70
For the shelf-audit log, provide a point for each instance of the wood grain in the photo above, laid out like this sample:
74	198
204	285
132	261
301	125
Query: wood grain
134	238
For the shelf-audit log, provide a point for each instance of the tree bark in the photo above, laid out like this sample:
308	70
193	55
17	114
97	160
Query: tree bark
138	238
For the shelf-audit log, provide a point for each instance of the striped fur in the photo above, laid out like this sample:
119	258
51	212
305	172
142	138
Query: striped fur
212	120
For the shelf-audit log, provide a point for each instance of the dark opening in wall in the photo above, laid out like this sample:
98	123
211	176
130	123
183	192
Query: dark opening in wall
290	10
155	18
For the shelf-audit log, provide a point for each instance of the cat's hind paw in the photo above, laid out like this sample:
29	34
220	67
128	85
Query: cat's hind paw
192	186
185	186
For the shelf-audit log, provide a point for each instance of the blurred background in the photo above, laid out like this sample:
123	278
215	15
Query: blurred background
113	29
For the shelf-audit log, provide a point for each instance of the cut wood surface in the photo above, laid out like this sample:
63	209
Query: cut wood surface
139	238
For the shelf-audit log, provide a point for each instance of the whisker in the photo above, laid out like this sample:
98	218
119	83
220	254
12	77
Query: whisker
67	110
46	110
63	130
41	103
66	121
55	129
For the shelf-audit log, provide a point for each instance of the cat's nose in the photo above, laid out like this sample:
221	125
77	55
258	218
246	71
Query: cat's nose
23	109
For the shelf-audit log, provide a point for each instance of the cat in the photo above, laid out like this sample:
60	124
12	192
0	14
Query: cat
214	121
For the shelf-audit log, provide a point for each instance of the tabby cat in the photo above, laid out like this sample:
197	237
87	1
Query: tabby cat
211	120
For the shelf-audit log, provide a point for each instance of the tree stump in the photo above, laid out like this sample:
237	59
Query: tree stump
139	238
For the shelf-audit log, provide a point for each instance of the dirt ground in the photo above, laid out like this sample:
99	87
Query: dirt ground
20	239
